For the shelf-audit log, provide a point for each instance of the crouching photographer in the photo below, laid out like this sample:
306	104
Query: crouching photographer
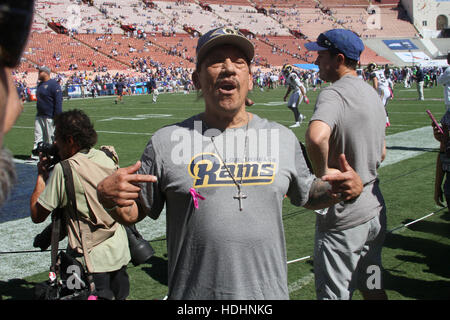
94	239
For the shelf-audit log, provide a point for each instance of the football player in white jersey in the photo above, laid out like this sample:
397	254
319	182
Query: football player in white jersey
383	85
298	94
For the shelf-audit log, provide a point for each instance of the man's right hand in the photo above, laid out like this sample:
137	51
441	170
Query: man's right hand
119	189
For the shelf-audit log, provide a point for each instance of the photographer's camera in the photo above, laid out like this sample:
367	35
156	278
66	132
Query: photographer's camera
49	151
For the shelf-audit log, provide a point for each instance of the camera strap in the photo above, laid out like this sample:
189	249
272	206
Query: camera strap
70	189
56	230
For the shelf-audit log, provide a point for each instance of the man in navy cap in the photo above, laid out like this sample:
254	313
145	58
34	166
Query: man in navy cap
348	118
48	105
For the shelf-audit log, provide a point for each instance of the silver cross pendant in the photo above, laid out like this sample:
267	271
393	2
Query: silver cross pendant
240	196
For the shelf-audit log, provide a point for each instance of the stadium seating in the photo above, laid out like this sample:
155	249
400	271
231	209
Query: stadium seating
309	21
190	14
116	34
293	48
127	49
82	18
286	3
344	3
179	43
228	2
59	51
135	13
246	17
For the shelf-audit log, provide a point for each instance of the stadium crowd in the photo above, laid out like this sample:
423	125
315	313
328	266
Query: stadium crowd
176	79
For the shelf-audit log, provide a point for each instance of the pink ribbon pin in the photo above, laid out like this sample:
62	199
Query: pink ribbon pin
195	197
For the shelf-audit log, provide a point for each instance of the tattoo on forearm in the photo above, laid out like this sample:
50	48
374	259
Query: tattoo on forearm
319	196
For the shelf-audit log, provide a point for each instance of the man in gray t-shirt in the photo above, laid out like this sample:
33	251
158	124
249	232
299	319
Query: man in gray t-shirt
354	120
217	251
222	175
348	118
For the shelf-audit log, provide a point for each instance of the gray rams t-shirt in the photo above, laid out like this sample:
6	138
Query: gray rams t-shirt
217	251
357	118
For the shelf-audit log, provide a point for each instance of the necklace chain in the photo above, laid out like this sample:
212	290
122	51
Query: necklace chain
239	196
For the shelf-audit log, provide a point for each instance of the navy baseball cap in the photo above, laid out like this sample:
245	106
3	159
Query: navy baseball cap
345	41
221	36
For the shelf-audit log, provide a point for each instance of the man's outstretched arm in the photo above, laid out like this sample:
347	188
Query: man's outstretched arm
118	193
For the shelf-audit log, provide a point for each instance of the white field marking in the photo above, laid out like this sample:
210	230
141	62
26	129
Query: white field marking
299	259
129	133
103	131
408	144
425	116
22	127
300	283
32	163
18	235
272	103
405	125
139	117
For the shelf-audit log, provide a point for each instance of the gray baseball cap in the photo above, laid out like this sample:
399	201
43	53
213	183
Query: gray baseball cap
221	36
44	69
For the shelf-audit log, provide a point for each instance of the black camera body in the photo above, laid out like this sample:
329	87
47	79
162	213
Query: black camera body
49	151
16	17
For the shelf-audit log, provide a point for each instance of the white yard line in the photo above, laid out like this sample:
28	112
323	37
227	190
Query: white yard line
300	283
103	131
408	144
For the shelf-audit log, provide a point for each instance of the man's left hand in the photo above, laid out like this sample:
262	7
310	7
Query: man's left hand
346	184
42	167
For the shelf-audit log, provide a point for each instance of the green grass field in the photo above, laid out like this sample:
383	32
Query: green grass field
416	259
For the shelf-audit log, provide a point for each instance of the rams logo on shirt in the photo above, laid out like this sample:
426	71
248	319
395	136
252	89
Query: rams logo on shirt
208	171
